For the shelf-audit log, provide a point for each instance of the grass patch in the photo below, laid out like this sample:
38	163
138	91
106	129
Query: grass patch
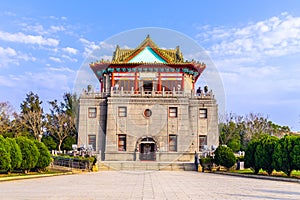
20	174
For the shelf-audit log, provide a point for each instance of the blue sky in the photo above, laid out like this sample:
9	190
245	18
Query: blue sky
255	46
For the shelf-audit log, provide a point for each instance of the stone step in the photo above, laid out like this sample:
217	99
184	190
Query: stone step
145	165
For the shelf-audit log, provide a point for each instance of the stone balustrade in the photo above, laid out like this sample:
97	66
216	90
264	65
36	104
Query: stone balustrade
153	93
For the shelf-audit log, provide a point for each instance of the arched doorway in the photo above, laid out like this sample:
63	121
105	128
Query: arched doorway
147	149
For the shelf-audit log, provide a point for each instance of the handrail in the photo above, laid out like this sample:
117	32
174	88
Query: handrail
131	93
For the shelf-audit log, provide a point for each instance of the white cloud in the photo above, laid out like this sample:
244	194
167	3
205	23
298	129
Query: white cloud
95	49
89	47
259	65
70	50
28	39
53	79
107	46
61	69
4	81
4	52
36	28
276	36
8	13
57	28
69	58
9	56
55	59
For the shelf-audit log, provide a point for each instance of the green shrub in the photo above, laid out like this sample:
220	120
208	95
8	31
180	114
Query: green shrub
206	160
249	157
206	163
5	161
30	153
234	144
87	159
264	153
224	156
44	157
286	156
296	154
15	154
240	158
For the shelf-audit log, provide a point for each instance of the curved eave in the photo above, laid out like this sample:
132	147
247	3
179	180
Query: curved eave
96	67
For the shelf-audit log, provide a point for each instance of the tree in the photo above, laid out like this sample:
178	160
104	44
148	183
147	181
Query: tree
250	161
264	152
237	131
71	103
5	115
67	144
32	115
49	142
30	153
230	131
61	121
278	130
5	161
286	156
44	158
17	128
15	154
224	156
256	126
234	144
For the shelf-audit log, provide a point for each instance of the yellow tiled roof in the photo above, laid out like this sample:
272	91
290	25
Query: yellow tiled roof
169	55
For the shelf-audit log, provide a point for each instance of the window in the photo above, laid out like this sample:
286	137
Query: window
126	84
170	85
147	113
92	112
202	142
121	142
92	141
122	111
173	112
173	143
203	113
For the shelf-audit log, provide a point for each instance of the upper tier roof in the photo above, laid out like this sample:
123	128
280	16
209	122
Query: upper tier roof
148	52
147	55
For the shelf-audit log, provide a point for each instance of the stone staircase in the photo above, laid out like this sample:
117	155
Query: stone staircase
145	166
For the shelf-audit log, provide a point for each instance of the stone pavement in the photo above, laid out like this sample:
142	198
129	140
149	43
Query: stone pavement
148	185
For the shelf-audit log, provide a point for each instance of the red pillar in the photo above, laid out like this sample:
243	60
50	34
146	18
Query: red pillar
159	83
136	82
182	82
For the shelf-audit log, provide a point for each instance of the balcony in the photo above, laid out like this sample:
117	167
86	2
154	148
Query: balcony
154	94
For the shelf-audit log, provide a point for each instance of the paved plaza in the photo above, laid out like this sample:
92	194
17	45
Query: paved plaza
148	185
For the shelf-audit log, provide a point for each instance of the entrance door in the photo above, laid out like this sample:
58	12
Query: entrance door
147	149
147	85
